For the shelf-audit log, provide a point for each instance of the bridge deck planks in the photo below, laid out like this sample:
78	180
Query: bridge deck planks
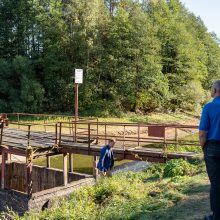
16	138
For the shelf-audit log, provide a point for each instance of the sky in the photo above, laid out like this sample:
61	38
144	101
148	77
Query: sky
208	10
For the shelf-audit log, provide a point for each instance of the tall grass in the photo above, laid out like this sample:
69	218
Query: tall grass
127	196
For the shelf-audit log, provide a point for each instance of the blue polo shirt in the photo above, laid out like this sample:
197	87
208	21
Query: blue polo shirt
210	119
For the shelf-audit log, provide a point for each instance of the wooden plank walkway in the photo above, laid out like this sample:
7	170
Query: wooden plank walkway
43	143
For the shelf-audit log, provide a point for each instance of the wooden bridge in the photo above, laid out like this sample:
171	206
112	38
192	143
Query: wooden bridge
70	135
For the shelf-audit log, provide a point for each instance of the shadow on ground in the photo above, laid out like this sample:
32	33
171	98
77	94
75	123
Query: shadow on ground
194	207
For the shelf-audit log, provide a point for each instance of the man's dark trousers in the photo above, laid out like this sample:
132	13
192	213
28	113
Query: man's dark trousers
212	160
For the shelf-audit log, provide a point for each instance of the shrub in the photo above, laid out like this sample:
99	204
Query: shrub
178	167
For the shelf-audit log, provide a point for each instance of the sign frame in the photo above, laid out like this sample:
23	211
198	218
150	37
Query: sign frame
79	76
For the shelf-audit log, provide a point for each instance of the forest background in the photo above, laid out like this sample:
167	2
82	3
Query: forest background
137	56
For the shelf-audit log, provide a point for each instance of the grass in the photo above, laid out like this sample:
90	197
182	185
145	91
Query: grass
136	196
130	117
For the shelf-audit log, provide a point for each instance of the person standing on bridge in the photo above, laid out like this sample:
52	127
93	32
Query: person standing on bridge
106	159
209	136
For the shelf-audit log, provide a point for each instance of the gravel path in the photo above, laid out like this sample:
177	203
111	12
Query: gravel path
134	166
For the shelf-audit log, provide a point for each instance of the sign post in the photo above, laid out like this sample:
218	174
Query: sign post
78	80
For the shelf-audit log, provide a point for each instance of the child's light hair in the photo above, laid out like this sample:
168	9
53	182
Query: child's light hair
112	140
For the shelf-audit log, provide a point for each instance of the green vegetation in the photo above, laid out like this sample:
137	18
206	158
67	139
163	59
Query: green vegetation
152	194
137	56
155	117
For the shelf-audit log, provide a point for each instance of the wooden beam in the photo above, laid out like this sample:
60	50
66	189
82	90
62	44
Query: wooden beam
65	171
48	161
95	171
15	151
29	179
3	170
39	155
70	162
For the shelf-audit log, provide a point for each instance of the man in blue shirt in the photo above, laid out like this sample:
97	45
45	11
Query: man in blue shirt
106	159
209	136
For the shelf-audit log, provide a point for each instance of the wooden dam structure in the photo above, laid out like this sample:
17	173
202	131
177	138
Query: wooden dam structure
50	135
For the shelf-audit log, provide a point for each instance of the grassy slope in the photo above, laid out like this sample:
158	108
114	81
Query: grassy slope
194	206
138	196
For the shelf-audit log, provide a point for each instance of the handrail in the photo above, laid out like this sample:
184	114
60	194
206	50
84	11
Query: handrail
133	124
49	115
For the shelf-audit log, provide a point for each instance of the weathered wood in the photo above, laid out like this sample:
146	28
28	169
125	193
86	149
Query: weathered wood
48	161
89	135
131	154
29	179
2	127
3	170
65	171
70	162
95	162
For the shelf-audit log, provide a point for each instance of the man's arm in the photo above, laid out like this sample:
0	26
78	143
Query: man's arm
204	126
202	138
102	158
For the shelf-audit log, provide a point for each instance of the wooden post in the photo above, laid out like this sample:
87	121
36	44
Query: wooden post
56	131
76	99
1	138
29	164
48	161
165	144
60	133
105	134
29	179
75	140
72	130
44	124
124	139
176	139
18	120
89	134
138	134
9	158
65	171
95	171
29	133
69	126
97	132
3	170
70	162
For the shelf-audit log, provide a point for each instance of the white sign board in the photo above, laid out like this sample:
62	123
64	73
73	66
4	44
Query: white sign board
78	75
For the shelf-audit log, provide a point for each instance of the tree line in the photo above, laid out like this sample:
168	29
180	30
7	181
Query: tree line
137	56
